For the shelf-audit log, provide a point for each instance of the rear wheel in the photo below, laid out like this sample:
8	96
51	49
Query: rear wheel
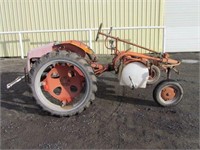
168	93
63	83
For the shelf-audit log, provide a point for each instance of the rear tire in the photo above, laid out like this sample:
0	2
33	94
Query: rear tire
63	83
168	93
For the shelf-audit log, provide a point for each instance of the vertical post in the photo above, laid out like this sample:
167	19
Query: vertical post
21	45
90	38
164	39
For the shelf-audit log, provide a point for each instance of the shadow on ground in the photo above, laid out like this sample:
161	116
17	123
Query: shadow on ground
19	97
107	91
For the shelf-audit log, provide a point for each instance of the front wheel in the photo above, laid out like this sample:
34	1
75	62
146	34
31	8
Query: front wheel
63	83
168	93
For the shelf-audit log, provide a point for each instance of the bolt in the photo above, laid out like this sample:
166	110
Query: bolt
64	103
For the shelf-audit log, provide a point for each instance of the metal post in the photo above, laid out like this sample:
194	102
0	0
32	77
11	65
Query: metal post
21	45
164	39
90	38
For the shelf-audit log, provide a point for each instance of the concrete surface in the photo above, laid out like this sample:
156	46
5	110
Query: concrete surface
119	118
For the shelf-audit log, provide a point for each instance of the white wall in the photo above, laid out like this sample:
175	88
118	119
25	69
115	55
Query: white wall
182	21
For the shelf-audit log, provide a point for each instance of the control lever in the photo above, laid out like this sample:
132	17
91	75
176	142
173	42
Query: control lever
9	85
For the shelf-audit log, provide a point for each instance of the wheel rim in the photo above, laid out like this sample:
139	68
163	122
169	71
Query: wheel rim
63	87
152	75
63	82
168	93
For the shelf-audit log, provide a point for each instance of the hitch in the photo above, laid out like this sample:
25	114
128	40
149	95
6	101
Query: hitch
9	85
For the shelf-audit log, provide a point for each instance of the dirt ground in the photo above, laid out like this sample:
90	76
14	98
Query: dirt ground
119	118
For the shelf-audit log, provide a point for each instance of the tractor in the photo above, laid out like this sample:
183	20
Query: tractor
63	76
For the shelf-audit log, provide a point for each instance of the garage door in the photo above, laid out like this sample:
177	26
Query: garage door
182	25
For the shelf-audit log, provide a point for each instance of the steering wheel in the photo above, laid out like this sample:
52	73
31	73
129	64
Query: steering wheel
99	30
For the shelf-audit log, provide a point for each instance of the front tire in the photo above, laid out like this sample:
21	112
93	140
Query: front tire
63	83
168	93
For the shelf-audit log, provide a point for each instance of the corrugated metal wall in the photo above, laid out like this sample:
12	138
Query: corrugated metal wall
20	15
183	25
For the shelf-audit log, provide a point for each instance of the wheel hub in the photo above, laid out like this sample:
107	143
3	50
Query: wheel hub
168	93
64	82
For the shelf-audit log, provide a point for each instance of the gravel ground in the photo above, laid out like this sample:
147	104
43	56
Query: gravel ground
119	118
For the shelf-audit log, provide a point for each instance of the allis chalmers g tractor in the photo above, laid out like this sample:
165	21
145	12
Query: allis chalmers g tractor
63	76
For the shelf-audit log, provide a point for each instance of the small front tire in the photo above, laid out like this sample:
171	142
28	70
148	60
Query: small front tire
168	93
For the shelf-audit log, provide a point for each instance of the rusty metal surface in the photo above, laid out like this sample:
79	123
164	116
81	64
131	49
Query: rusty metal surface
168	93
158	59
64	78
77	44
